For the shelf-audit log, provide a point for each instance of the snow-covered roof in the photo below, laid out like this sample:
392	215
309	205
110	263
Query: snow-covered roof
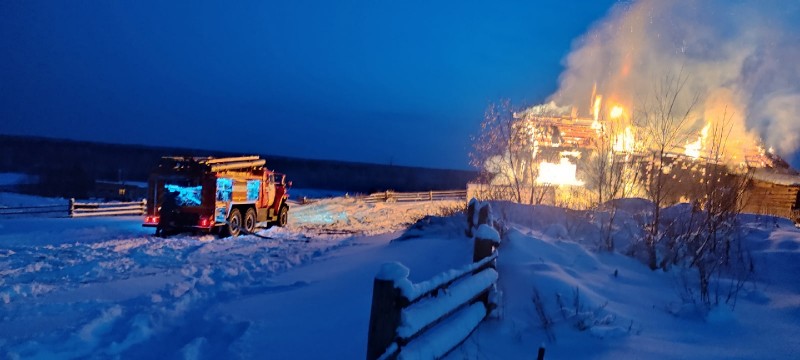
547	109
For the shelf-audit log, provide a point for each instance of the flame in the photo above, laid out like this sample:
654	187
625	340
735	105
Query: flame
598	100
562	173
616	112
624	141
693	149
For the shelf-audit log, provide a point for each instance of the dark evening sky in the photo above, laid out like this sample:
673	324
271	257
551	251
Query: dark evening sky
373	81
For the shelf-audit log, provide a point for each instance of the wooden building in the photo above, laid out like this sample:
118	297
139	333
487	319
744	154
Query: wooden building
773	192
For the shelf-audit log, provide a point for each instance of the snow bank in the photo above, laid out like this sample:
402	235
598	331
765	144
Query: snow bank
608	305
16	179
9	199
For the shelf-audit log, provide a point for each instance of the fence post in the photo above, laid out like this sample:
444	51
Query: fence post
387	303
485	245
470	216
486	241
484	215
71	206
386	196
431	195
144	206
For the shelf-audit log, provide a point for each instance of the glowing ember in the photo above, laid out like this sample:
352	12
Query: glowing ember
562	173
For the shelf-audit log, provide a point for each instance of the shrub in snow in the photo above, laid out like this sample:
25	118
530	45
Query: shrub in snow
496	297
556	231
581	317
545	321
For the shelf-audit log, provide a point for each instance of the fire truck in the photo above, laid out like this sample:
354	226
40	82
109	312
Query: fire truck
215	195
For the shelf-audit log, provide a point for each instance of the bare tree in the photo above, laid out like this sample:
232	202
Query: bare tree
505	151
662	120
715	248
611	173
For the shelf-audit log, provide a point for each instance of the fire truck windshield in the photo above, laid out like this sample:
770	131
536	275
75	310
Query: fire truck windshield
184	195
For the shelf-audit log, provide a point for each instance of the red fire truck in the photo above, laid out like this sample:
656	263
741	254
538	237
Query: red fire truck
206	194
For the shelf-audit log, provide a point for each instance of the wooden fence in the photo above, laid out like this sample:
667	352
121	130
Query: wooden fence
77	209
389	196
429	319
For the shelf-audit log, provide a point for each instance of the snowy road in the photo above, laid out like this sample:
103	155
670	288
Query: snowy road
106	287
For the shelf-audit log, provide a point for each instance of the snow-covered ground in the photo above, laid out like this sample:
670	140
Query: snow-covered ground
608	305
105	288
16	179
10	199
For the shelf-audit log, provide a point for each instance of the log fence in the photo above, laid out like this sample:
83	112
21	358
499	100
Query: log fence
391	196
429	319
78	209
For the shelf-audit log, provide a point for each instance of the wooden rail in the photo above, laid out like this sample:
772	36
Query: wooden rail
432	317
389	196
78	209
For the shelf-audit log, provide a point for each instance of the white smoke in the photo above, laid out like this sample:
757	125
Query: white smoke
742	56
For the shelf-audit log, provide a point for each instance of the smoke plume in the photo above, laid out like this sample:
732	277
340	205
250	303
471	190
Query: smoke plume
741	57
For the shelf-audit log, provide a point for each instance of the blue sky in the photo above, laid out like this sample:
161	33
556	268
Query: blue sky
403	82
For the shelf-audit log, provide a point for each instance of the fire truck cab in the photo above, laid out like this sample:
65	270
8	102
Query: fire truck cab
206	194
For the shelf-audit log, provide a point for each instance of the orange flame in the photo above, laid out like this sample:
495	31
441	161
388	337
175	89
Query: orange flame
693	149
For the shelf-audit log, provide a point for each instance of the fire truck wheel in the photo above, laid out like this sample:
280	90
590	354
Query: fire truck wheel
250	220
283	216
234	222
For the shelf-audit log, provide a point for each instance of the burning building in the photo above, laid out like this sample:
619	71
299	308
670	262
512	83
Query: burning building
552	158
692	89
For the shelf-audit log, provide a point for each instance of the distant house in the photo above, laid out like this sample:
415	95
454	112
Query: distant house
120	190
773	192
